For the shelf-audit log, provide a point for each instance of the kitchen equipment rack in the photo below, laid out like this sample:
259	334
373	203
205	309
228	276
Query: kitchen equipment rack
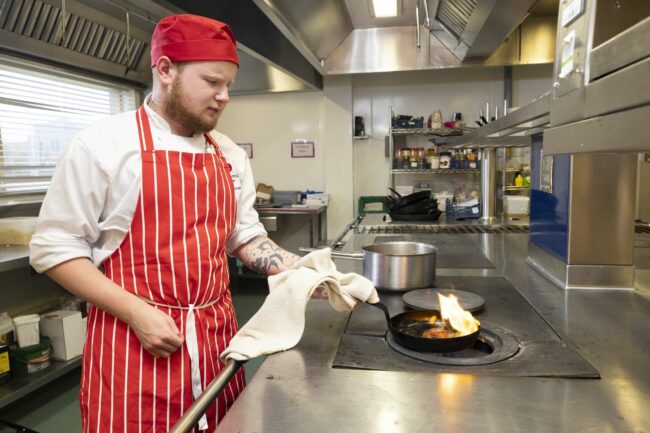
440	135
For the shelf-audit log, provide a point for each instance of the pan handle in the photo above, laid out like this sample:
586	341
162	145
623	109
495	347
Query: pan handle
336	254
383	308
201	404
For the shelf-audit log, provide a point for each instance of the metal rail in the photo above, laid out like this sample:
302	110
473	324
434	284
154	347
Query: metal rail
201	404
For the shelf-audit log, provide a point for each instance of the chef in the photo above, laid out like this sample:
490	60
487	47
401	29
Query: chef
141	213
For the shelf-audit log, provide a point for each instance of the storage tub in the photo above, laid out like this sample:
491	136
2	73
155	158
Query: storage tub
17	230
27	329
515	204
30	360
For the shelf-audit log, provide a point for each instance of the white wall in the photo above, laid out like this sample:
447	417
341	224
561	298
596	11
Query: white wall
271	122
348	168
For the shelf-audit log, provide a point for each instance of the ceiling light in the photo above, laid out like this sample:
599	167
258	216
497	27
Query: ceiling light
384	8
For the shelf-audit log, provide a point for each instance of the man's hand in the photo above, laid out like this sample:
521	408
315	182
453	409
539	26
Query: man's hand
156	331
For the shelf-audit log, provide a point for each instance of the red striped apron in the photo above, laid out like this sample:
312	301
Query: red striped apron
174	256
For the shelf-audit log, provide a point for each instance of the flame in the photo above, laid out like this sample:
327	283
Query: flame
459	319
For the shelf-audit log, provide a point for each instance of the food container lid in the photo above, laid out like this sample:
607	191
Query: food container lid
23	320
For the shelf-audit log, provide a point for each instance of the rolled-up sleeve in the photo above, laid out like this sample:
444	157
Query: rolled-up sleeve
68	223
248	225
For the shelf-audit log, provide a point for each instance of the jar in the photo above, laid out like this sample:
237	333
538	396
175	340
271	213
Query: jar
397	159
406	157
421	158
445	160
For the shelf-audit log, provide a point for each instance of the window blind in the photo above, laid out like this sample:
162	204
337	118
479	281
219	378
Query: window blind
40	111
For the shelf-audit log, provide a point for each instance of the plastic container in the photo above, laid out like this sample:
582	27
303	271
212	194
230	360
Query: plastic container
17	230
6	329
445	160
442	197
30	360
27	330
5	369
515	204
282	198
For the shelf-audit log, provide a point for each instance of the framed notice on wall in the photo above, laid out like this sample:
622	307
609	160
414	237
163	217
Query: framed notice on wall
302	149
248	147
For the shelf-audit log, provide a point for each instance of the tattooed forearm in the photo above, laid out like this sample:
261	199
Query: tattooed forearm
265	256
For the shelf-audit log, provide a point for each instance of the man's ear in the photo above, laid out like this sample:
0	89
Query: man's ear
165	70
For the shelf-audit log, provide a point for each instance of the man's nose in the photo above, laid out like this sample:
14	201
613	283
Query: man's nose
222	95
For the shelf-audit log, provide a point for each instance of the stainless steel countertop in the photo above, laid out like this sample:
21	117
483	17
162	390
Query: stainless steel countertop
298	391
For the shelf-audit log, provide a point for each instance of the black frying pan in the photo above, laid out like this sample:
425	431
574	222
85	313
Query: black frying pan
408	329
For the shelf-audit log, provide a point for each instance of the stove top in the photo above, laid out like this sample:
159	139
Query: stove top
514	341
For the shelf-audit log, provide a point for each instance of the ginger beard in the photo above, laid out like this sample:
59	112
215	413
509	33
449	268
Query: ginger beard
180	109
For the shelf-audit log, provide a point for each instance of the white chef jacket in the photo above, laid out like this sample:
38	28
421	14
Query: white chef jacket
91	201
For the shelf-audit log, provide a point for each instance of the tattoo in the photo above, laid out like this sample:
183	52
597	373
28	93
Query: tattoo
265	256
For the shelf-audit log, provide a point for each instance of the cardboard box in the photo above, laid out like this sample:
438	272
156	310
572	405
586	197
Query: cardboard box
65	330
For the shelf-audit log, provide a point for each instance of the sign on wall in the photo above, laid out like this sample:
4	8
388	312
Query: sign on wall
248	147
302	149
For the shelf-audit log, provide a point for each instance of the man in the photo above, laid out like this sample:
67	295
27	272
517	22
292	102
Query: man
157	197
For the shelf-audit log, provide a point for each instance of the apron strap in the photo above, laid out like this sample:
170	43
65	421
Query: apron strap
144	130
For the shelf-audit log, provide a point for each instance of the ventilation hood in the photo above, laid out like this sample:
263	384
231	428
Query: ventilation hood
342	36
111	38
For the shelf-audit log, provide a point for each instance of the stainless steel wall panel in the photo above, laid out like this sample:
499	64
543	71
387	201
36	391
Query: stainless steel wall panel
622	131
629	87
623	49
602	209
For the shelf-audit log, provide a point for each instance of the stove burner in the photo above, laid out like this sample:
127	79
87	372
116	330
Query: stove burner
493	345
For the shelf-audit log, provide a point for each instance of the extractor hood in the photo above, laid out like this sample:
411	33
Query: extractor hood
342	36
111	38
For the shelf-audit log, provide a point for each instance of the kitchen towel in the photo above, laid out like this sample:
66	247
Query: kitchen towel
278	325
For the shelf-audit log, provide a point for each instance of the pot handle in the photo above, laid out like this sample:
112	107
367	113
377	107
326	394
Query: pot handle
336	254
383	308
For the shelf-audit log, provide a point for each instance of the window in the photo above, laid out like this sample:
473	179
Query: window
41	109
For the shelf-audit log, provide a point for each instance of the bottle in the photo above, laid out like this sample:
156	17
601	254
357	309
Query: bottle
414	159
519	180
472	160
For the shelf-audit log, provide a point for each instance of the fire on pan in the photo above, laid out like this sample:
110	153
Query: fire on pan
447	330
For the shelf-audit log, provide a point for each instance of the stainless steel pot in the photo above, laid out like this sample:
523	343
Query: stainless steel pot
397	266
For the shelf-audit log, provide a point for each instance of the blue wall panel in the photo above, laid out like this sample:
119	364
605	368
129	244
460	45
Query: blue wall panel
549	212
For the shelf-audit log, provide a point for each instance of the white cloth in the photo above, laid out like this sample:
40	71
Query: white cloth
94	191
280	322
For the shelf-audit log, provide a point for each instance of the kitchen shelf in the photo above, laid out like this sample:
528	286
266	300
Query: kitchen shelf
442	132
13	257
435	170
516	188
18	388
361	137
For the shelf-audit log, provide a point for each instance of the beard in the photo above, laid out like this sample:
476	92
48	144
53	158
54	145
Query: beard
180	110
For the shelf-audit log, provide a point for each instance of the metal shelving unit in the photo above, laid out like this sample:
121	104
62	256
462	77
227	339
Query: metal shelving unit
13	257
18	388
436	170
441	135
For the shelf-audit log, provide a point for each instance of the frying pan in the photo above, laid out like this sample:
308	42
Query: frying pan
407	330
